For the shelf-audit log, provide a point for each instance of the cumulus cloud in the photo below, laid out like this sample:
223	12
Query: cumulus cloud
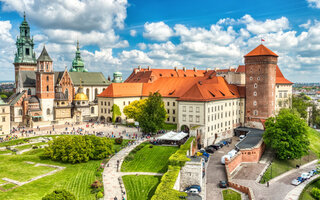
157	31
133	33
259	27
314	3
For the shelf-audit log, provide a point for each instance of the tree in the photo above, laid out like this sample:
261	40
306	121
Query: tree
153	114
300	103
59	195
115	112
286	134
134	109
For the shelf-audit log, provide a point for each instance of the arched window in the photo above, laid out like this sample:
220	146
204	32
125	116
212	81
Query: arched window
88	93
47	67
92	110
47	76
66	93
48	111
29	91
47	88
20	112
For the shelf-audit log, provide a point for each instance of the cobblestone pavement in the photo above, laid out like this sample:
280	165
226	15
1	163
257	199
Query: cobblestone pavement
248	171
216	172
113	185
278	187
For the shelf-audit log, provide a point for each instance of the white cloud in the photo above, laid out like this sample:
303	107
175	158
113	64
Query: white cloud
142	46
306	25
314	3
157	31
133	33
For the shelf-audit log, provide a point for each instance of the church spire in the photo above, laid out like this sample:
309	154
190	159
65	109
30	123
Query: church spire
77	63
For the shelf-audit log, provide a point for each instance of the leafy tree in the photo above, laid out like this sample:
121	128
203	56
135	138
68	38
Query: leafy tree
115	112
134	109
3	96
59	195
286	134
300	103
153	114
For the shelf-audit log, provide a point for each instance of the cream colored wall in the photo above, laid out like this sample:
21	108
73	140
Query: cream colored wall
235	78
91	91
191	113
4	119
171	106
283	96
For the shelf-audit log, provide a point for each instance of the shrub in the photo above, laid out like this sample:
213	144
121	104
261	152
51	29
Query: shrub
35	147
96	184
130	157
76	149
315	192
119	140
151	146
99	195
59	194
179	158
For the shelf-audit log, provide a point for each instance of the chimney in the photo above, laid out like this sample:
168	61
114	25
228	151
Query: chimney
139	67
217	68
195	69
184	69
176	69
149	68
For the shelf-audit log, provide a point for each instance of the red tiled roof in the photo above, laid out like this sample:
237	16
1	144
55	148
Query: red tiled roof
123	90
261	50
241	69
280	79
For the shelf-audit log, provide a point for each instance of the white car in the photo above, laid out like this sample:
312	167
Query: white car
192	190
241	137
295	182
305	175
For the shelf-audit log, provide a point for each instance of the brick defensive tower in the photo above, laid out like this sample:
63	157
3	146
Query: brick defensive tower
260	70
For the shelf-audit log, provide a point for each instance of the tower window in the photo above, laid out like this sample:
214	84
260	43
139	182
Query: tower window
47	67
250	78
27	51
47	88
254	93
254	103
255	85
47	78
258	78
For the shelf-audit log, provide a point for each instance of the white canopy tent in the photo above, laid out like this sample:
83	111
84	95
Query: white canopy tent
173	136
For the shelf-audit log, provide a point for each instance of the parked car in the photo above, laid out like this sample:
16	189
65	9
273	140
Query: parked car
223	184
305	175
206	154
215	146
301	179
232	153
205	158
192	190
229	140
241	137
295	182
311	173
223	159
210	149
221	144
194	186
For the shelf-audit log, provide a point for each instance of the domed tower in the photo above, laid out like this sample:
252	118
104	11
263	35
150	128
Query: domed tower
117	77
25	58
77	63
81	104
260	70
45	84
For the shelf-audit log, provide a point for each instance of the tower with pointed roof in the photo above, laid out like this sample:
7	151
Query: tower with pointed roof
25	58
45	85
260	70
77	63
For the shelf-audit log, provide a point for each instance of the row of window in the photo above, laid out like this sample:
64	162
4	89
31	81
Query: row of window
173	103
283	94
221	125
184	109
227	114
173	119
173	111
184	118
105	103
220	107
105	110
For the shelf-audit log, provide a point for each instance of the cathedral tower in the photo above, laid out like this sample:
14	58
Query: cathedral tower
260	70
77	63
45	85
25	58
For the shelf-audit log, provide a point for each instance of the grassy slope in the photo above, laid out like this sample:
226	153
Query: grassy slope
149	159
231	195
281	166
140	187
306	195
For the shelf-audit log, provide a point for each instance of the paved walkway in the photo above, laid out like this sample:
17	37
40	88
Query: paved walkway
112	182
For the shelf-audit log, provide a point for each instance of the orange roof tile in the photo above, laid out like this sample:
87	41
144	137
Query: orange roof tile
241	69
280	79
123	90
261	50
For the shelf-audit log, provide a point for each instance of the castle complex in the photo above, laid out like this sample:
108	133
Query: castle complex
45	96
208	103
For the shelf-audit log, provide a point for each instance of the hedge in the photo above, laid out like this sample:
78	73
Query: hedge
177	160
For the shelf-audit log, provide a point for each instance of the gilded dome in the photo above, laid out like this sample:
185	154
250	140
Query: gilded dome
80	96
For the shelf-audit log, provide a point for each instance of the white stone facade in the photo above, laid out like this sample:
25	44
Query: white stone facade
47	109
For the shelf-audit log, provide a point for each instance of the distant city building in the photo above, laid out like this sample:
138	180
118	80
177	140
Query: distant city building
47	96
208	103
4	118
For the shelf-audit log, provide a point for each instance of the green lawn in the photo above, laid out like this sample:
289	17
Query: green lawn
5	152
8	186
23	140
231	195
140	187
117	147
28	146
281	166
306	193
148	159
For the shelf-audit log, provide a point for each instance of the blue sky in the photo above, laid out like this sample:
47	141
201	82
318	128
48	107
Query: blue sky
119	35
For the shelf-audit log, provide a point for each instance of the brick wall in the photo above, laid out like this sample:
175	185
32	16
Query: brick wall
234	162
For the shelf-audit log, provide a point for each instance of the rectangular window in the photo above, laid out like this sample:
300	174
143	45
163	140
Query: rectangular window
174	103
124	103
190	109
168	119
209	118
173	111
27	51
101	109
184	108
168	103
109	111
3	110
208	110
280	94
184	118
105	103
190	118
128	102
168	111
173	119
285	95
105	110
108	103
101	103
197	118
3	119
197	109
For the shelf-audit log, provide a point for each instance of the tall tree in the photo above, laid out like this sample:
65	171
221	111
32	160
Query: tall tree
115	112
153	114
286	134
